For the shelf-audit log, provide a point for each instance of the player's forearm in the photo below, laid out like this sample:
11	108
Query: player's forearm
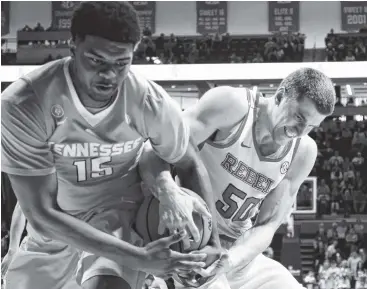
79	234
155	172
194	176
16	228
255	241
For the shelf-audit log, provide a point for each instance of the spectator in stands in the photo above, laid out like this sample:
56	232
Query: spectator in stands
354	263
323	205
345	269
310	280
269	45
323	188
304	196
339	259
330	52
359	138
344	283
335	198
351	238
324	267
350	56
358	161
361	282
336	159
319	253
349	175
332	232
348	200
331	250
147	32
336	174
27	28
272	56
258	58
359	200
341	230
359	227
193	56
340	51
159	44
39	27
280	54
234	58
360	51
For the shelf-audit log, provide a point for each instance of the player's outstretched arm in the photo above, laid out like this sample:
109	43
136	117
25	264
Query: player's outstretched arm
275	206
37	198
273	210
201	122
17	226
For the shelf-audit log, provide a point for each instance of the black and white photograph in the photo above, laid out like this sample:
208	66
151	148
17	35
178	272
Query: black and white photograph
183	144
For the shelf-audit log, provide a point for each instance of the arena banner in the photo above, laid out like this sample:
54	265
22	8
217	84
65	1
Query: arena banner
62	12
5	11
354	15
211	17
283	16
146	11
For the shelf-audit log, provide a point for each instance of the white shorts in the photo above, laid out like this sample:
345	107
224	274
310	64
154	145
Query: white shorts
261	273
44	263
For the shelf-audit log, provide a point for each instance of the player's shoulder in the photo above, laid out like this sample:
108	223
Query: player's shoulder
307	148
144	90
29	88
229	97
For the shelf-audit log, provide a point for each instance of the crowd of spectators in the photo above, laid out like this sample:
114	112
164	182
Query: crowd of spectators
220	49
347	47
339	257
226	48
216	48
340	167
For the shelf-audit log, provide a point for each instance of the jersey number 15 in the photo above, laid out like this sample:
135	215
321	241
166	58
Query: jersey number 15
97	168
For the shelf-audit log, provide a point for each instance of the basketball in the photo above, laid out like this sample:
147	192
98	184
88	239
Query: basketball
147	221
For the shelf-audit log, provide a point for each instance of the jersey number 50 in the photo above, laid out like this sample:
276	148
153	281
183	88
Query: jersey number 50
97	168
233	210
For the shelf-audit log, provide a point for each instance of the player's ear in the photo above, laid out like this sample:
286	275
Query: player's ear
279	95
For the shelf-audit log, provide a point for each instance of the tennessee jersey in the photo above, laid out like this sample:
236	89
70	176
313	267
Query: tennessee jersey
46	129
240	176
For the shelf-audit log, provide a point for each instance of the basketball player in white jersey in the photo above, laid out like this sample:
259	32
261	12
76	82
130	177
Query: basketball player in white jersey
72	135
258	154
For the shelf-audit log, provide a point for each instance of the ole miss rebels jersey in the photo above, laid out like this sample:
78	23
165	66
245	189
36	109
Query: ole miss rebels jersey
240	176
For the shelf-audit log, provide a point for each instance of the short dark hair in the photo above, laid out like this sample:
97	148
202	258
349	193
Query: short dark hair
313	84
113	20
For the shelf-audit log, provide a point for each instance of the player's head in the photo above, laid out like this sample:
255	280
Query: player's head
302	101
104	35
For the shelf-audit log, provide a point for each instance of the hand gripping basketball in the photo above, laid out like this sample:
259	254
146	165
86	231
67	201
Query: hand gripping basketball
160	261
176	209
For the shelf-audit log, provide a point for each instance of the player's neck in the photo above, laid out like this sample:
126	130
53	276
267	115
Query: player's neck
263	131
